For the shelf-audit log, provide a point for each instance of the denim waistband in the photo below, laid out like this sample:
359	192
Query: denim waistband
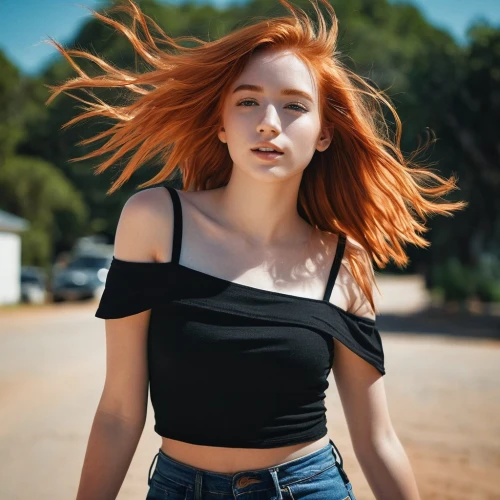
278	476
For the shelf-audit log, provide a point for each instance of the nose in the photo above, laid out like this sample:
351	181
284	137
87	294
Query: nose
270	122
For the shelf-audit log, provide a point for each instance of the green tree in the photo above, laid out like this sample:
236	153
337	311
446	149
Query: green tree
456	92
11	103
39	192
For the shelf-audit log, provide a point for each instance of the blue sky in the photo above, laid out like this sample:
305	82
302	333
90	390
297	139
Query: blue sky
24	23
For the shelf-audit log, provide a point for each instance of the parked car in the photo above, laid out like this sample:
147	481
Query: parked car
83	278
33	285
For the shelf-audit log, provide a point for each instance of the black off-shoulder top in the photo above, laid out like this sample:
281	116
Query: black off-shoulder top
232	365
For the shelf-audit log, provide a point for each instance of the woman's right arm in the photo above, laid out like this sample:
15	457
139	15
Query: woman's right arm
143	230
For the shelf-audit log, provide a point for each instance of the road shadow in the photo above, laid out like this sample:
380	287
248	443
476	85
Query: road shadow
435	321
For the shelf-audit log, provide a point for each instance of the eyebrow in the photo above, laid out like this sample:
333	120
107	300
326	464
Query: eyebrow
257	88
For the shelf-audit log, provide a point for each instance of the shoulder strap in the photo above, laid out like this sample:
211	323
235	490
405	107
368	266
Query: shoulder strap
339	253
177	238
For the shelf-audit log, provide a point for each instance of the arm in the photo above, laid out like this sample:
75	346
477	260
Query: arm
121	412
375	443
362	393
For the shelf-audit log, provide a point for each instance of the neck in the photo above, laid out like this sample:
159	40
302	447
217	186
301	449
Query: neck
265	214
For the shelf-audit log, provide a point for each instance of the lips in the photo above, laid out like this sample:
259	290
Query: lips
267	145
267	151
267	155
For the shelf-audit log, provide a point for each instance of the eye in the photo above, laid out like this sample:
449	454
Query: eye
246	102
297	106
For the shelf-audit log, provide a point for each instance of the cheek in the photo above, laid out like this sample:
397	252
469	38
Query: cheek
304	132
237	126
236	135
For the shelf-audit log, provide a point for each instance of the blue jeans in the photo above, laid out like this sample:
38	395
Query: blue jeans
316	476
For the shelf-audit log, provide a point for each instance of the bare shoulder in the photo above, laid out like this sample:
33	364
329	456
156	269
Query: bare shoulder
358	302
144	230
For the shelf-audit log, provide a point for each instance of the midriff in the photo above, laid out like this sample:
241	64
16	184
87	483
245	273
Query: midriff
232	460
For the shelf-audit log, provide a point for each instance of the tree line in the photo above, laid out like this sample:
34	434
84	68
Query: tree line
439	88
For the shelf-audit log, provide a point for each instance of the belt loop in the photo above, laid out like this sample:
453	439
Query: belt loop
150	468
340	463
198	482
274	475
340	460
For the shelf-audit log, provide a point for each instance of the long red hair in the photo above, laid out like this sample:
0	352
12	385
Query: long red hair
361	185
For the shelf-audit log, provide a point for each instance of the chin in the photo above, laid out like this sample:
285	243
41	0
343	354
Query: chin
272	173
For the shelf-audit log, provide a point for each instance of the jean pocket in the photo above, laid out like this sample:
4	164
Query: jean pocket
165	488
327	483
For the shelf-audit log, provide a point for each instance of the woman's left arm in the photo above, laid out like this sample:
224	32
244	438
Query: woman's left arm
375	443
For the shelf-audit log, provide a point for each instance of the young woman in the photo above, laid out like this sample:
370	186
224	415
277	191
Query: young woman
235	297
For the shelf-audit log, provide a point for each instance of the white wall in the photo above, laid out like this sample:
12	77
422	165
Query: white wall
10	268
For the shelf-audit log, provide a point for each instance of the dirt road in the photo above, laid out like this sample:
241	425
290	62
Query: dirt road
443	393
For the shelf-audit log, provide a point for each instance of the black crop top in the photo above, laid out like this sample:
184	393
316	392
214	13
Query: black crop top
232	365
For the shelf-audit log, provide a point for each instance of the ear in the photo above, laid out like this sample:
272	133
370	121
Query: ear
324	140
221	134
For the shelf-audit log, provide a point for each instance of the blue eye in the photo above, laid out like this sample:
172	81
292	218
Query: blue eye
245	102
298	107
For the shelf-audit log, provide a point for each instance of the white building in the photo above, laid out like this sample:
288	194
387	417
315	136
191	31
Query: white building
10	257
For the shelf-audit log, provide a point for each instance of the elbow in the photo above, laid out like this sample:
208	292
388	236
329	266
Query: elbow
111	424
127	409
123	417
366	446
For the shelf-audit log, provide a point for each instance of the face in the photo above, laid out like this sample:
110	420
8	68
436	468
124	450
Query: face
273	105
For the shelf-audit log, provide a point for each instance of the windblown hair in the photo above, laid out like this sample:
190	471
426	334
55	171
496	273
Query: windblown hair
361	185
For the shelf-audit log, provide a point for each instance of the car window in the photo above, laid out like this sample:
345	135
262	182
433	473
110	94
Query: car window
90	262
29	279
